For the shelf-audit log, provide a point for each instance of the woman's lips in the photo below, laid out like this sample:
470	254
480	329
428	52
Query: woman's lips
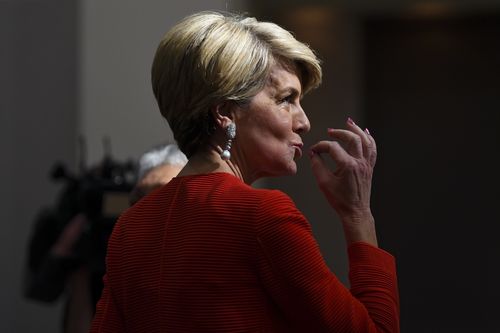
298	150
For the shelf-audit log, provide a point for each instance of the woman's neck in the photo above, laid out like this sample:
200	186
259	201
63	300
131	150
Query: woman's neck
210	161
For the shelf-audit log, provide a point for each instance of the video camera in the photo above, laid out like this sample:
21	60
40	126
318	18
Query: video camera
101	194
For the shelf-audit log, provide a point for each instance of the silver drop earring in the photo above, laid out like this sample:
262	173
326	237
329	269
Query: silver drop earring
231	134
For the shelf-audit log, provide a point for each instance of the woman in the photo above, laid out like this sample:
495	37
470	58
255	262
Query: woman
209	253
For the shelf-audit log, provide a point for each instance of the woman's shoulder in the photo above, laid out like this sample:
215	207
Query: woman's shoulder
277	217
221	183
270	210
266	198
218	190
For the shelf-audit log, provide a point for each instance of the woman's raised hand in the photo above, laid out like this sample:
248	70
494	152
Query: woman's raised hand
347	186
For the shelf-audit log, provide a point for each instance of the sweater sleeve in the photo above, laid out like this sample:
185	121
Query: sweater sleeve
294	273
107	318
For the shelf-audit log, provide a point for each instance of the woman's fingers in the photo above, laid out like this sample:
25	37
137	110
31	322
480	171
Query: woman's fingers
351	125
357	141
332	148
372	149
325	176
362	135
358	145
352	142
320	170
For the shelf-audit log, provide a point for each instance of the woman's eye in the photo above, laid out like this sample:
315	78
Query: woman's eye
287	99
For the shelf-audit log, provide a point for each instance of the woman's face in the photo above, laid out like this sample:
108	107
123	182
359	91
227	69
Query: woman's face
268	130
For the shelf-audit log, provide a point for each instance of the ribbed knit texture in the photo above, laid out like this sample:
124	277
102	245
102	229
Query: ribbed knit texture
208	253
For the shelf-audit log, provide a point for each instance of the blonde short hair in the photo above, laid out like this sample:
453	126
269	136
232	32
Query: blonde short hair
209	58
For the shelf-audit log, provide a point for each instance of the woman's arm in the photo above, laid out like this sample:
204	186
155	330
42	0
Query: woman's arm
107	318
312	299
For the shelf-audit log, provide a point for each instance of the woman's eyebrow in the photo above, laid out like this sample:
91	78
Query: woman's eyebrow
288	89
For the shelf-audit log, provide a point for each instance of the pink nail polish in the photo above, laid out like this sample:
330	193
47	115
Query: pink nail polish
367	131
311	153
330	129
350	121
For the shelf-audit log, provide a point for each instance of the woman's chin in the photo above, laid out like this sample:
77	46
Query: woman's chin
291	169
287	169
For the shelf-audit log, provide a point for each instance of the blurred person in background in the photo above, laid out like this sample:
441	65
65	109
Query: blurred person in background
156	168
209	253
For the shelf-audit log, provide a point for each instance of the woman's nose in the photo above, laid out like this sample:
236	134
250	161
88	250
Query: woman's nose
301	123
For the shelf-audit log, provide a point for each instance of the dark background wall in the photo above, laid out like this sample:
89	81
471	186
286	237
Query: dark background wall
432	99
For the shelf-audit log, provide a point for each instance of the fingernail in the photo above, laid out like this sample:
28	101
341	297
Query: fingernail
367	131
311	153
330	129
350	121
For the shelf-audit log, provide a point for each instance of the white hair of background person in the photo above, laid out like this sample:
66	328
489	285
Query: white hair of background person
165	154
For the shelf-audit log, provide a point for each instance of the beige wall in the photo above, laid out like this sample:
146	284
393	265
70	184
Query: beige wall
118	41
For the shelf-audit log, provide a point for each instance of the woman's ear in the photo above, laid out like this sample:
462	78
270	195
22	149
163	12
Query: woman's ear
222	114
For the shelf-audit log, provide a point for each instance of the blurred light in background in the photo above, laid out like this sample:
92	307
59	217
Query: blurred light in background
431	9
309	23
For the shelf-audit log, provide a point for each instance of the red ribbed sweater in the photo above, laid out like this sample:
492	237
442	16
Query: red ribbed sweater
209	253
